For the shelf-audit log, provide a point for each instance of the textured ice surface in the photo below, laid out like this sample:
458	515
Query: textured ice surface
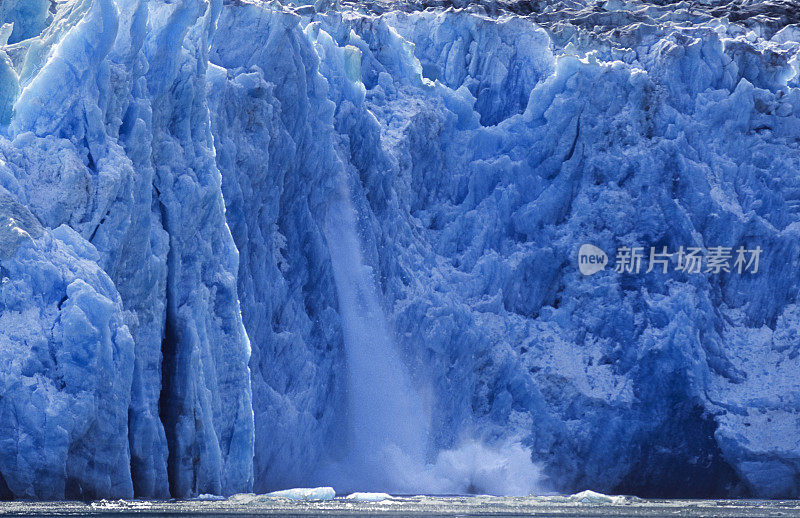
194	192
479	164
63	415
139	382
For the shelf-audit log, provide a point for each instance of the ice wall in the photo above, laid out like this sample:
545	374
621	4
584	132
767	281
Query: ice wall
63	417
109	137
471	212
280	168
168	174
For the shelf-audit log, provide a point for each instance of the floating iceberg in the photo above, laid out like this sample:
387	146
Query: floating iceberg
301	493
592	497
305	493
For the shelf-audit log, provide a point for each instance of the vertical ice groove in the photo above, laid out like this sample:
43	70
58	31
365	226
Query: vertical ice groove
206	397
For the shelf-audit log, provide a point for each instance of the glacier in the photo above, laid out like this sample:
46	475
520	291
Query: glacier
250	245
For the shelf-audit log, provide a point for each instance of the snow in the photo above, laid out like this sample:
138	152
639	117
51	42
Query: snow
246	246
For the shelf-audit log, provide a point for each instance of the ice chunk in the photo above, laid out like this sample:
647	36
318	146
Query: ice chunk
83	160
368	497
305	493
592	497
27	16
301	493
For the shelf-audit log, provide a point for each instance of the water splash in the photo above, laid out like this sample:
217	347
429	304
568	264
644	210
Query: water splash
387	417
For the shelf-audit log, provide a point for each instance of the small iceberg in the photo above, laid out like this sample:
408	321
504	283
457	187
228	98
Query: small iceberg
368	497
208	497
299	493
304	493
593	497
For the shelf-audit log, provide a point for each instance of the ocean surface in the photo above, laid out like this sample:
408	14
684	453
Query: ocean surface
410	506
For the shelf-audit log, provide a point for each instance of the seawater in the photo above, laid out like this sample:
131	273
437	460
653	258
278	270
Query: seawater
408	506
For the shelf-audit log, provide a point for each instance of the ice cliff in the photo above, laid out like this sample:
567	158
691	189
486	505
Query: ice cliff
245	244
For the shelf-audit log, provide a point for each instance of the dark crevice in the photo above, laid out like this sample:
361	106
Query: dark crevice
99	224
5	491
77	485
73	490
575	140
169	341
684	462
165	404
90	162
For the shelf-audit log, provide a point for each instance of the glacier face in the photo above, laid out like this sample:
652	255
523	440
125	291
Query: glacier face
194	193
110	137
